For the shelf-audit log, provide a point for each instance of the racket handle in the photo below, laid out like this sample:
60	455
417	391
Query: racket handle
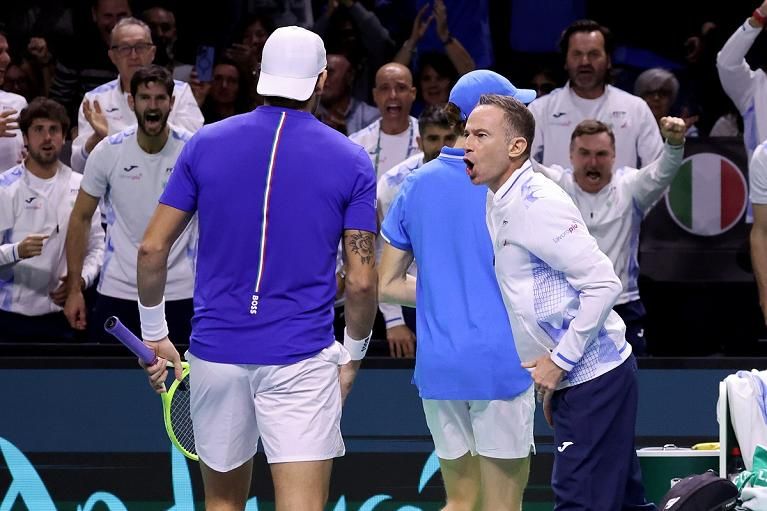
133	343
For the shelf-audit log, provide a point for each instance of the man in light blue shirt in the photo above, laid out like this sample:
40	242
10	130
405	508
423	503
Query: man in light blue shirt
477	399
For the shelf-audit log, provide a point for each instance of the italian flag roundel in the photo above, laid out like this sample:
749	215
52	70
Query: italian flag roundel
708	195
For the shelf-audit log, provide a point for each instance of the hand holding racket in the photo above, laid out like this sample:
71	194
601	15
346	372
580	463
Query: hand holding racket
175	402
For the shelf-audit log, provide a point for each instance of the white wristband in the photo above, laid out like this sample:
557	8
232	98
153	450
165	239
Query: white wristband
153	324
356	348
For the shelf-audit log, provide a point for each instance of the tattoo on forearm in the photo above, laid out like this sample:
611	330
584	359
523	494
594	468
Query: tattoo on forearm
362	244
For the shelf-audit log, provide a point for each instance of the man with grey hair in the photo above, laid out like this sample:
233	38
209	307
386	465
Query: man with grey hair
659	88
105	111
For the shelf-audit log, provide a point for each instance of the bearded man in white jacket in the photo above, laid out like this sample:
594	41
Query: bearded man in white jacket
36	199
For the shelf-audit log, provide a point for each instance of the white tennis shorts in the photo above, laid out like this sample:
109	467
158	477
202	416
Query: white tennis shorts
495	429
295	409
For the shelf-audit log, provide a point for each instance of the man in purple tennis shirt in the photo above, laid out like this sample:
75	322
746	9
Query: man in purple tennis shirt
274	191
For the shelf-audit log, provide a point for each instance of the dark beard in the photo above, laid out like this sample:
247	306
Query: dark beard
142	126
38	158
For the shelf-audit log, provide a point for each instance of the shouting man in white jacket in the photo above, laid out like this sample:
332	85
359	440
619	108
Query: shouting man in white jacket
613	203
559	289
36	198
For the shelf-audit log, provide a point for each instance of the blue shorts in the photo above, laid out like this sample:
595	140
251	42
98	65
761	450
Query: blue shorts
596	467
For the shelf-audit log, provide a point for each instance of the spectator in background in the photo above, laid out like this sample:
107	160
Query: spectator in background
700	90
613	202
338	108
257	30
18	81
11	143
660	88
39	64
388	141
285	12
544	81
129	170
247	52
83	64
437	70
436	76
586	47
348	28
162	23
36	199
105	110
745	86
391	139
227	94
457	20
436	131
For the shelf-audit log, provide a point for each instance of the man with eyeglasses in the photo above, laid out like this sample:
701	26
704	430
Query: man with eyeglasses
105	111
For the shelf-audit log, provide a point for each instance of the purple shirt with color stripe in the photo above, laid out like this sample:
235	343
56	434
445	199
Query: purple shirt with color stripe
274	189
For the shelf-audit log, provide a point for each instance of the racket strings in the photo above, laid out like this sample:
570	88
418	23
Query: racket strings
181	418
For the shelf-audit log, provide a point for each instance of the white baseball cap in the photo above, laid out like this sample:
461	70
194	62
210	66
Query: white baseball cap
292	59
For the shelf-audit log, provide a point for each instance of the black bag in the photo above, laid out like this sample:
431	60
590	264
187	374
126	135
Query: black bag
701	492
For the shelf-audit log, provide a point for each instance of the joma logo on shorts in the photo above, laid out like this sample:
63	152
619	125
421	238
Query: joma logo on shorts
569	230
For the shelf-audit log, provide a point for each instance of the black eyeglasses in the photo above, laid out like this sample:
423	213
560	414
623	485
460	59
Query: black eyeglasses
125	50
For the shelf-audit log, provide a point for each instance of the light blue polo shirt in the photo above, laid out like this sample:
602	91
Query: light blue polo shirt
465	348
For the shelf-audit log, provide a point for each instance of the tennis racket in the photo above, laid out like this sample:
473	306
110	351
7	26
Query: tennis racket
175	402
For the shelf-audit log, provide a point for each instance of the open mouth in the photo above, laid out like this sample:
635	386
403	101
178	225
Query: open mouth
394	109
593	176
152	118
469	167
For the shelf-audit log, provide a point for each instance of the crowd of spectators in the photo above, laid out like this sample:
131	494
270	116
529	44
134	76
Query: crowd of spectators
390	70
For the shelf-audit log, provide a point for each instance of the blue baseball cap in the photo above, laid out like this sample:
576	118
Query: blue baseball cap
467	90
